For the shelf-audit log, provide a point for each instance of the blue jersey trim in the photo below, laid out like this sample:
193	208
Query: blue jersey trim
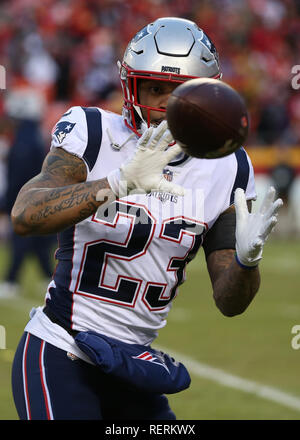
180	161
61	302
94	129
242	174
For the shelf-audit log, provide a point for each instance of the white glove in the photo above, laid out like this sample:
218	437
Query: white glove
144	170
252	230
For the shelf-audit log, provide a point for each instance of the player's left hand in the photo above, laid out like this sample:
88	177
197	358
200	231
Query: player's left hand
253	229
144	171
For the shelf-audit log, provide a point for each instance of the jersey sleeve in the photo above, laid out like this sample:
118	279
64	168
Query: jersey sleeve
244	177
79	132
70	132
221	233
250	189
231	172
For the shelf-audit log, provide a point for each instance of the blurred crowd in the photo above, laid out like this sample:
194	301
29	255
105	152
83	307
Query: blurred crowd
60	53
67	50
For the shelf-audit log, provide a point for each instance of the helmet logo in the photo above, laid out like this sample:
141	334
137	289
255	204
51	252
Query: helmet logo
205	40
142	33
171	69
210	46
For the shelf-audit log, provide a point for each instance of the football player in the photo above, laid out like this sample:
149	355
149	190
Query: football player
131	210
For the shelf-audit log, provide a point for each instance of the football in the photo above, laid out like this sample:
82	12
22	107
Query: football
207	118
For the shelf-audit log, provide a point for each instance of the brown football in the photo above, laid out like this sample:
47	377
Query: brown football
208	118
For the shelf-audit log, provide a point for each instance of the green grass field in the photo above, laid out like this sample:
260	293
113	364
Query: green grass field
255	346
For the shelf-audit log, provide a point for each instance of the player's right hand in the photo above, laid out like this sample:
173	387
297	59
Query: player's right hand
144	172
253	229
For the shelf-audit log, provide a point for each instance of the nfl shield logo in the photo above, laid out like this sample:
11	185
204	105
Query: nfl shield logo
168	174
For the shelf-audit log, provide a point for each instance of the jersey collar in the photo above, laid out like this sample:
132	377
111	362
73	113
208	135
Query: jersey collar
180	159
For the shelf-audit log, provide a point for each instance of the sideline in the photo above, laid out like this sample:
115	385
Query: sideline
217	375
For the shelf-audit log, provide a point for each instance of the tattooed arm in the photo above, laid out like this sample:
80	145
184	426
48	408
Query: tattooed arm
233	287
58	197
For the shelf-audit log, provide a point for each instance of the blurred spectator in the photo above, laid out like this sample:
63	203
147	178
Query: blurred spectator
4	147
24	161
68	49
273	123
283	176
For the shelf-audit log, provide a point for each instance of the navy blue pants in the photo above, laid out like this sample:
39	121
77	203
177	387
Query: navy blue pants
47	385
22	247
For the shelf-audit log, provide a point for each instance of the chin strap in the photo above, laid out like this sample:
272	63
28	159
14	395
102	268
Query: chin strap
114	144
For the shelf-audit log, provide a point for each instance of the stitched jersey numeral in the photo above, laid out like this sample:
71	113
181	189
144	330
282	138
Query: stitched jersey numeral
157	295
101	254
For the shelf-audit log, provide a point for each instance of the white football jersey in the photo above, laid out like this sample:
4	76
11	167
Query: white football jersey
118	271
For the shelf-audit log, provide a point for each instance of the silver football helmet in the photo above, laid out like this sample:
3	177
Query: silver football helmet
169	49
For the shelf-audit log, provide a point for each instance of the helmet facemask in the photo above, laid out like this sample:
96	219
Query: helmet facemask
132	109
